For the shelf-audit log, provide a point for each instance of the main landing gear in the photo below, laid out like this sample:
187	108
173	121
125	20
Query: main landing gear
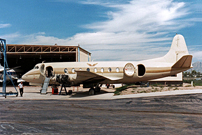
94	90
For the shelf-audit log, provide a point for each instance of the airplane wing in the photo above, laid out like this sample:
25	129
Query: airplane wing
94	76
1	70
14	77
87	74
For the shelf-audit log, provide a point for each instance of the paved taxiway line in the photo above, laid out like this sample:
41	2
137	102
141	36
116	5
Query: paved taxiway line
105	96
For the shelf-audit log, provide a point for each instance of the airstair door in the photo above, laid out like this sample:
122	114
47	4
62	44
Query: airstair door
45	85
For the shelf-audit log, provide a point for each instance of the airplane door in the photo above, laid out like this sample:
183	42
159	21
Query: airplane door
49	72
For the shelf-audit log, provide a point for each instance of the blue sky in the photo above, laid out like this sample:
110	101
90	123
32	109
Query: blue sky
109	29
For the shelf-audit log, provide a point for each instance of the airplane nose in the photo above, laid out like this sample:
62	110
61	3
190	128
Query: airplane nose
24	77
29	76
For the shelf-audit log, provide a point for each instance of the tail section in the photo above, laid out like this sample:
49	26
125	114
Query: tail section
178	50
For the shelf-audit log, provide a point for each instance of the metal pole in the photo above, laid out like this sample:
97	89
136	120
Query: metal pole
5	74
5	68
78	54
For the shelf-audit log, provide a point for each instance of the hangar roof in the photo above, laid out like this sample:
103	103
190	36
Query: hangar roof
20	49
26	56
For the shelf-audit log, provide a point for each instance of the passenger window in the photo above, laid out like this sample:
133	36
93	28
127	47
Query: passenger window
73	70
65	70
109	69
88	69
95	70
117	69
102	70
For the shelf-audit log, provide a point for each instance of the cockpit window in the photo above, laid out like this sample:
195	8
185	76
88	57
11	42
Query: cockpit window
36	67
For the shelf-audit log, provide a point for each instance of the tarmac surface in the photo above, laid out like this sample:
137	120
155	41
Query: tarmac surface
176	112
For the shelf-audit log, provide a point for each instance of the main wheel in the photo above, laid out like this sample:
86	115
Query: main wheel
97	89
70	92
91	91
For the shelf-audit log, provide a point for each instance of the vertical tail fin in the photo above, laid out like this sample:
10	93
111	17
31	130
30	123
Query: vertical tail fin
178	49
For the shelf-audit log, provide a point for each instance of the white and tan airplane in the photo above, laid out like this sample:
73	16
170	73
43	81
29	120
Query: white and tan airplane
11	74
113	72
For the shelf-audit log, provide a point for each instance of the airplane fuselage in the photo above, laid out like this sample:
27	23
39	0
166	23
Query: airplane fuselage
112	72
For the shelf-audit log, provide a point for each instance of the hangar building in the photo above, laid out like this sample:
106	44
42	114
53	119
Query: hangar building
26	56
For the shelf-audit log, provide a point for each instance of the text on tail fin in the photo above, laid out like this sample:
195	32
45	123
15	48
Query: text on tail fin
177	50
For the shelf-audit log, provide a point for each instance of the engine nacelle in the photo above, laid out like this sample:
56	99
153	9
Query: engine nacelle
65	79
62	79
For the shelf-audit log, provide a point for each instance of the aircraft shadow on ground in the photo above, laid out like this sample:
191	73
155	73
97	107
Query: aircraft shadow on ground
86	94
76	94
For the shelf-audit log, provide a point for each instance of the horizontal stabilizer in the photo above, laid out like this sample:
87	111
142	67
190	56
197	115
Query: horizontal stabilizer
184	62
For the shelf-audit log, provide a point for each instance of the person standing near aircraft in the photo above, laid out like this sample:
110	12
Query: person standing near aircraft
20	86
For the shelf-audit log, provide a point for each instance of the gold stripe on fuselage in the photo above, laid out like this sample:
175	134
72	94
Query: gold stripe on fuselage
158	70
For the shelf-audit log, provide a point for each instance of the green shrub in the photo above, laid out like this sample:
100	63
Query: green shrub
120	89
195	82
